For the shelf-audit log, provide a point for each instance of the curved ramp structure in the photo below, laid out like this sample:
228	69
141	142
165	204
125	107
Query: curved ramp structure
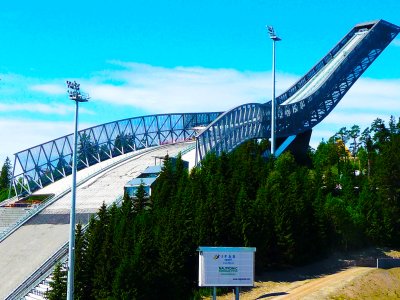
242	123
37	167
309	100
300	108
24	251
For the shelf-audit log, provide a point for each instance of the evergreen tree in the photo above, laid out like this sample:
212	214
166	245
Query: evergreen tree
88	151
387	177
241	218
368	145
106	261
165	186
79	273
354	133
381	133
124	285
5	180
5	175
261	229
342	135
140	200
58	286
289	213
95	238
119	145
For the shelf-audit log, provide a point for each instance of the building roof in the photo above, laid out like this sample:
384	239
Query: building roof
152	169
138	181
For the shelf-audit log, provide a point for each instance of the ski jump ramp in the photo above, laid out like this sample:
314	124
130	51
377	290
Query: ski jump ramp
46	166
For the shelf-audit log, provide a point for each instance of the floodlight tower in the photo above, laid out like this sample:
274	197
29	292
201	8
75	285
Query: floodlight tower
76	95
274	39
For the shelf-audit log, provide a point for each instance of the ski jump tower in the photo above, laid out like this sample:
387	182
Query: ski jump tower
307	102
299	109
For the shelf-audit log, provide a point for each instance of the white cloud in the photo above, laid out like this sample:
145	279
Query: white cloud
52	89
190	89
19	134
158	89
40	108
58	109
199	89
180	89
396	42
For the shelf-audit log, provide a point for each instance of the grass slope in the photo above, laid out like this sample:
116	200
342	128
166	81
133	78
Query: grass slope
377	284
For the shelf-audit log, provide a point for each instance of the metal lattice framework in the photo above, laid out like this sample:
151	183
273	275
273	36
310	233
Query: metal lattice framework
305	114
233	127
224	134
41	165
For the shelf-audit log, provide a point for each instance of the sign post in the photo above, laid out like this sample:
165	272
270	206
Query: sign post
226	266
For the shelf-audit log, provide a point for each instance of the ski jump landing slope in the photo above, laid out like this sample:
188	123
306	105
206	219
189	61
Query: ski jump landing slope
31	245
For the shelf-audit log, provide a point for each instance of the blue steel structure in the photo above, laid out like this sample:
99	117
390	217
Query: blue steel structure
232	128
299	109
51	161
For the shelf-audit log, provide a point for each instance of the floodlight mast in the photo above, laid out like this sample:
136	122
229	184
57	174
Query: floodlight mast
274	39
76	95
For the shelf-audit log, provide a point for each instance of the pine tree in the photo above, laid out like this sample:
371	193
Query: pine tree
105	260
241	218
261	228
140	200
80	263
381	133
288	212
165	185
354	133
5	175
387	177
58	286
95	238
125	281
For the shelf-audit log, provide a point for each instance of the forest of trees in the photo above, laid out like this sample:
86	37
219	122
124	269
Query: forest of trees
348	197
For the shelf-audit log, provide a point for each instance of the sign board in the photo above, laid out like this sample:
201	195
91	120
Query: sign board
226	266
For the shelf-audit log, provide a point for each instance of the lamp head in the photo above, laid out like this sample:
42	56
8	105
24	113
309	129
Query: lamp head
272	34
75	93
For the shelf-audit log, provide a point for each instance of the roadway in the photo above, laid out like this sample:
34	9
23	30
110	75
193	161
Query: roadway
31	245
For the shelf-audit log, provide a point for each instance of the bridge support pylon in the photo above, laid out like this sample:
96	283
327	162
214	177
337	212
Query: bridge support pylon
297	144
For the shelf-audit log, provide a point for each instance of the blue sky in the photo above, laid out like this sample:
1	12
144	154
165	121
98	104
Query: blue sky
145	57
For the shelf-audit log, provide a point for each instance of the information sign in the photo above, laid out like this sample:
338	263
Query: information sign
226	266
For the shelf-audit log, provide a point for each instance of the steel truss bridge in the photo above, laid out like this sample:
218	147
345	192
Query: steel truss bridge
299	109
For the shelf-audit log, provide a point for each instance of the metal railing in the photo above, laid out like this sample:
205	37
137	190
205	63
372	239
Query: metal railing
8	201
189	148
46	163
45	270
34	211
60	255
